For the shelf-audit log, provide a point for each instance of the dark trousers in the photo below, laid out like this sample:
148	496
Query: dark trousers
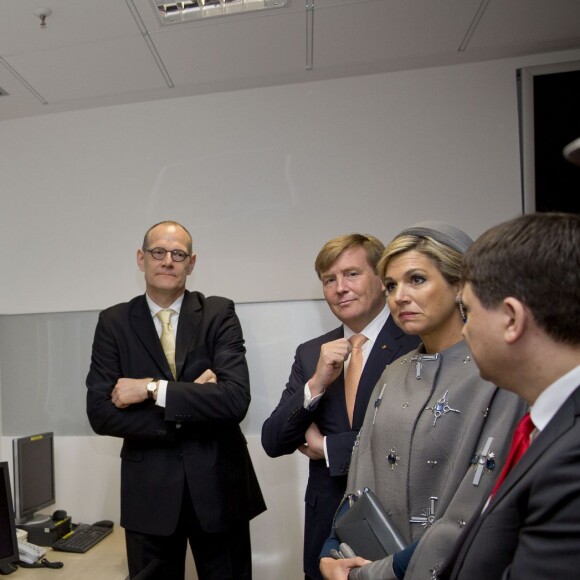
222	556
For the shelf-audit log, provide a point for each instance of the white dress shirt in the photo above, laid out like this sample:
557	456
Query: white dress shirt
174	320
552	398
371	331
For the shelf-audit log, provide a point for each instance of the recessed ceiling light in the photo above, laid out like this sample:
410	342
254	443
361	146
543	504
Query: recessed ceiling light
187	10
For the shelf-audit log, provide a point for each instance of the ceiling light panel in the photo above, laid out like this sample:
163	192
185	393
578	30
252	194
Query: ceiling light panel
188	10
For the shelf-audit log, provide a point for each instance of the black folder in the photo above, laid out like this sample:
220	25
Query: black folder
368	529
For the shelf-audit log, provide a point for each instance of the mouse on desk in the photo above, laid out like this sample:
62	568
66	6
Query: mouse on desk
59	515
104	524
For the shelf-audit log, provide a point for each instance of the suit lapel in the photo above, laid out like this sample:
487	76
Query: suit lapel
144	327
188	328
562	421
335	335
335	395
384	349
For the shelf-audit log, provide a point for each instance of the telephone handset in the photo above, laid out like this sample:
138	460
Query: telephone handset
30	553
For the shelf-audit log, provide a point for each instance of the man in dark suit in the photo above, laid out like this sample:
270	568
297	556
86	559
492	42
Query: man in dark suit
175	389
523	311
312	415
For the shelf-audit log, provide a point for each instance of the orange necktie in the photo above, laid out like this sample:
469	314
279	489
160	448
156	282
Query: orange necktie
353	372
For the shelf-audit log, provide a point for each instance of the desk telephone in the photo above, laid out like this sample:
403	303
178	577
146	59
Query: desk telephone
30	553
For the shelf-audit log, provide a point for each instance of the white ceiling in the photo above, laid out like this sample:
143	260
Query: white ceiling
95	53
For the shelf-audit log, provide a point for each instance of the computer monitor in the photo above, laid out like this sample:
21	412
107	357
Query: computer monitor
8	545
33	477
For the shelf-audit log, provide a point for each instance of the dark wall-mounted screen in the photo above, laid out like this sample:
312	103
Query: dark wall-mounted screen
550	120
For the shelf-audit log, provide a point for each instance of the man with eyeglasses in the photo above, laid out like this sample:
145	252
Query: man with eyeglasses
169	375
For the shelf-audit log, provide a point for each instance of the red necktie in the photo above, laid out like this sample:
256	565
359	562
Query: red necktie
353	372
520	444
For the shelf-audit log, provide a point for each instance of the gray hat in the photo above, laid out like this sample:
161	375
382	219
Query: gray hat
442	232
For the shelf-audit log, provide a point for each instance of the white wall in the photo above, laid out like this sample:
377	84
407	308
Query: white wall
262	178
78	190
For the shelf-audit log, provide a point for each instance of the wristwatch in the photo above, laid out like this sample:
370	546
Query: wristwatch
152	388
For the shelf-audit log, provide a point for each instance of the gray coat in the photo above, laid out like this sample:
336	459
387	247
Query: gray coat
433	441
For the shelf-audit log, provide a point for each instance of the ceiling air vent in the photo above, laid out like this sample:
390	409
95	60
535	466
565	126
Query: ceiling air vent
176	12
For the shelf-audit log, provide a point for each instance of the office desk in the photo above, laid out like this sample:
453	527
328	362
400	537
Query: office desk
105	561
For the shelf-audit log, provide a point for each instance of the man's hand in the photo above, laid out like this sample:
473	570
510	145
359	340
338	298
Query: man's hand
129	391
314	446
330	363
208	376
332	569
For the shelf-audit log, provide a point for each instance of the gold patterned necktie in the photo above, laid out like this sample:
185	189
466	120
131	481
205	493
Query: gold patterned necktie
353	372
167	338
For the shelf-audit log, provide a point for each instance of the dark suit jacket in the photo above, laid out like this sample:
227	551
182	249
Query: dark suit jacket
284	430
196	440
531	528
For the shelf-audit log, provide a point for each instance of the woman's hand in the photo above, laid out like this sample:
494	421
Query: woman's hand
332	569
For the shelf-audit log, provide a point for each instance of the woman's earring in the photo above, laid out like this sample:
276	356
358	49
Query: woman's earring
459	302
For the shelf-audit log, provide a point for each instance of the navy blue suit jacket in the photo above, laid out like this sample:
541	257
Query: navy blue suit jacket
284	431
531	528
196	440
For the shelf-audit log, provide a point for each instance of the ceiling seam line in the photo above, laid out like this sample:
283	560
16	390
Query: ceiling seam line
158	61
137	17
474	24
23	81
149	42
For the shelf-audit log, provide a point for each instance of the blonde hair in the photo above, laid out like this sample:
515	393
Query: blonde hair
330	252
448	261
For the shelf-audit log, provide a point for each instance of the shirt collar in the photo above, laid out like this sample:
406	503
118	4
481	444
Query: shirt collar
155	308
372	329
552	398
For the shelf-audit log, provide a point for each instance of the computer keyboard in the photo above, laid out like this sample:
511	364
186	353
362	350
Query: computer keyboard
81	539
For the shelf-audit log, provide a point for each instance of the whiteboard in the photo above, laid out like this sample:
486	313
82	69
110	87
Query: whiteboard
45	359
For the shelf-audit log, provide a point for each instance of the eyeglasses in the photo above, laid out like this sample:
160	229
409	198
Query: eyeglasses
160	253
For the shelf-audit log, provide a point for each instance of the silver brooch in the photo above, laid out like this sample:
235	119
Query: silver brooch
441	408
427	517
483	460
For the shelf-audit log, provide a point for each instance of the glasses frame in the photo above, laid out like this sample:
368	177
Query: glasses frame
172	252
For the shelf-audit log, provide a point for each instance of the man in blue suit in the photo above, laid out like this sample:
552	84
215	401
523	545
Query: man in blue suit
313	415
